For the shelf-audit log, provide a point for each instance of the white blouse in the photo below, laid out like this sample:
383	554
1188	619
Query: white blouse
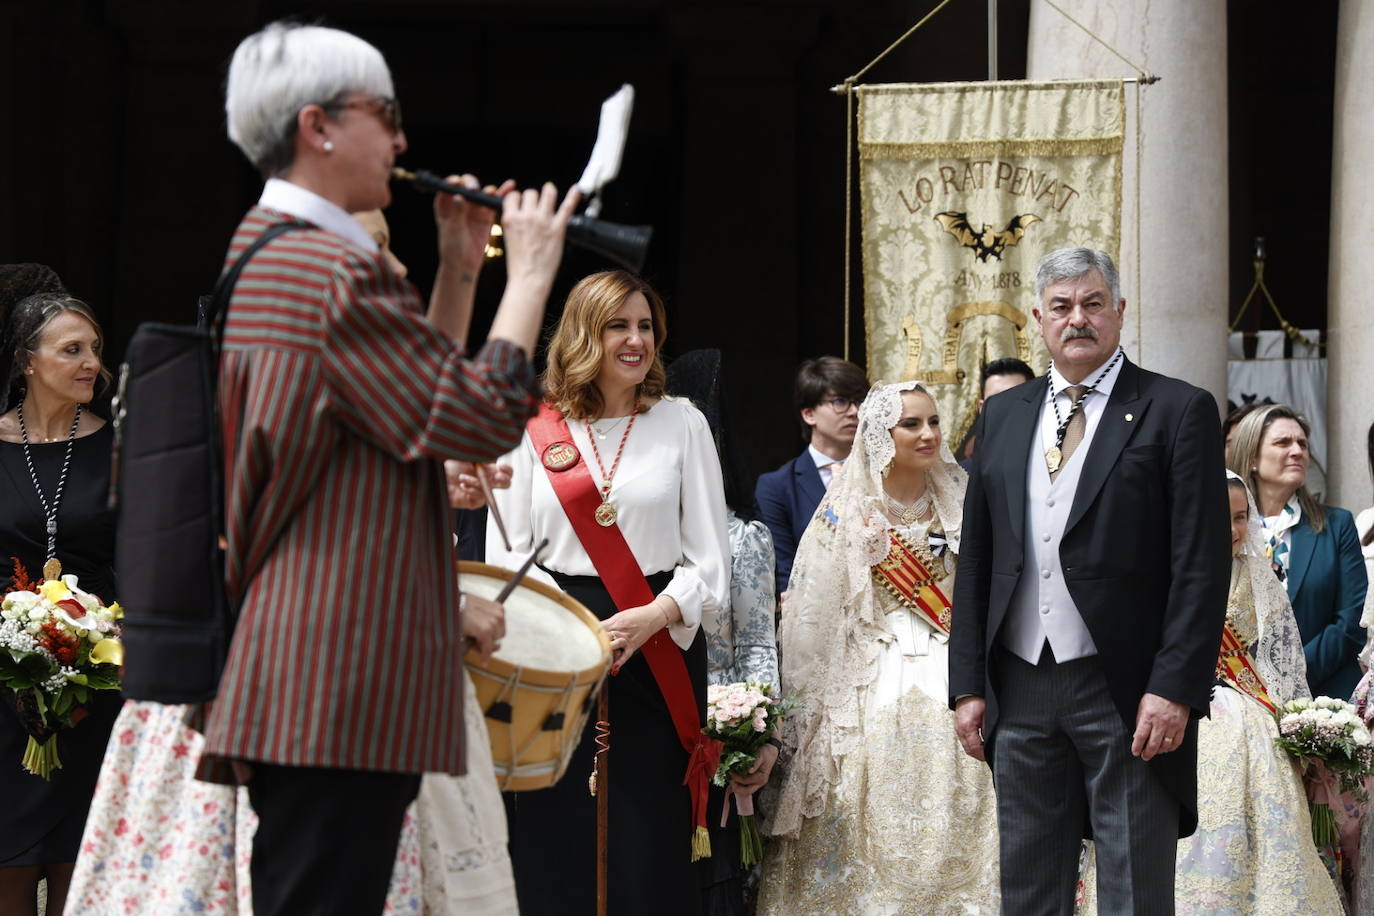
670	505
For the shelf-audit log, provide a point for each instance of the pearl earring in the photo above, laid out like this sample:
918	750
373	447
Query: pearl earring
329	146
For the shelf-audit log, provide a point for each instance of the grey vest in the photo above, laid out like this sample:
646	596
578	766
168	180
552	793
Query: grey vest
1041	607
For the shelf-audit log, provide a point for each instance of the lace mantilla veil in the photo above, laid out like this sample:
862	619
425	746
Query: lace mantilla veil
1277	645
832	624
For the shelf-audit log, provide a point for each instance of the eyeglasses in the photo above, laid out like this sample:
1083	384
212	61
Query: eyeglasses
840	405
388	110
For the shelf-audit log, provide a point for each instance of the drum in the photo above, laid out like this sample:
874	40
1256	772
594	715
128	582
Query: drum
538	688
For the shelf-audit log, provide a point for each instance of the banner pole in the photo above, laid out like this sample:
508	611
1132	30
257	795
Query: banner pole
992	40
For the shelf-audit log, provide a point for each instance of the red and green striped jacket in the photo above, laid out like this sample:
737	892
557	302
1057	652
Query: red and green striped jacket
338	403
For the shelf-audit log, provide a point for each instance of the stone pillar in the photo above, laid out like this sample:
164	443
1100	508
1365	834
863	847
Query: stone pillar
1350	322
1176	319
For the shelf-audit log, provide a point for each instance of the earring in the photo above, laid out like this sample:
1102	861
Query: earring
329	146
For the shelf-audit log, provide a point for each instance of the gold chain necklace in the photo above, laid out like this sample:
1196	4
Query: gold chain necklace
606	513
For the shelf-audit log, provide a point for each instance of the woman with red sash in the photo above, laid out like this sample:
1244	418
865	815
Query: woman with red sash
625	484
878	808
1252	852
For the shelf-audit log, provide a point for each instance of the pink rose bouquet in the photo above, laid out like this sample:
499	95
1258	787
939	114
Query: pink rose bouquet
743	716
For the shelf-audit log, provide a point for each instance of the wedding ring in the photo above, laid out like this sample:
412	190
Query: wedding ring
1168	740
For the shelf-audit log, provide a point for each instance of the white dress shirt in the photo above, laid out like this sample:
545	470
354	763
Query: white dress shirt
825	465
669	499
1094	403
294	200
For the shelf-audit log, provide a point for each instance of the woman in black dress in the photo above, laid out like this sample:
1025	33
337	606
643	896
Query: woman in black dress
654	461
54	467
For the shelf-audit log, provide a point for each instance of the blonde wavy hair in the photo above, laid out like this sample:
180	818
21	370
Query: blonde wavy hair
575	351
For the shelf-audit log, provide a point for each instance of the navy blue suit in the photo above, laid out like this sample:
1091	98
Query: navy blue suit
787	498
1327	584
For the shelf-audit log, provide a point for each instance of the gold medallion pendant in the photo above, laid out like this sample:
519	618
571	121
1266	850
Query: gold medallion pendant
605	514
1053	458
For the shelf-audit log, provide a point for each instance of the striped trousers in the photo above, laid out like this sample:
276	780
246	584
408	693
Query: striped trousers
1063	755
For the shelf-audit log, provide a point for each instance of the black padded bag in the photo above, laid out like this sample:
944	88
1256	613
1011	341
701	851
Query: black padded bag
168	482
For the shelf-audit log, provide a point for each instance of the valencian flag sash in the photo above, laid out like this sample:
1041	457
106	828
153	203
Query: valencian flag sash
905	573
620	573
1234	668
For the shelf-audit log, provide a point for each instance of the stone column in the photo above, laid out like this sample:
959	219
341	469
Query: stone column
1176	319
1350	322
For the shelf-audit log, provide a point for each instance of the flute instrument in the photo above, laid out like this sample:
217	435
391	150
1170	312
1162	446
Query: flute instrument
626	245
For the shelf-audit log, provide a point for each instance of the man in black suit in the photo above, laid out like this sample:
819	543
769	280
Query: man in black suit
827	395
1093	574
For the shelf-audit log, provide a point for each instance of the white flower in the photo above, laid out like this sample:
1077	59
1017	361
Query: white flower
37	613
34	626
82	623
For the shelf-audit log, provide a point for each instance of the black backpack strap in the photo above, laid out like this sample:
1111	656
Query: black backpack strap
212	314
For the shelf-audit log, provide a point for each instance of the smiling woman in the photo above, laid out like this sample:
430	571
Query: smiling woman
651	483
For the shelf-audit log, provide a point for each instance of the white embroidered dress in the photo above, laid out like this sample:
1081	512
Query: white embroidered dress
878	809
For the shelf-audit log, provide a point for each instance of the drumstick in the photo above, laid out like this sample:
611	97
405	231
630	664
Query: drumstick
514	583
491	505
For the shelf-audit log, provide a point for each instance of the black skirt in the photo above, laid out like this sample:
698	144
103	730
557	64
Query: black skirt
553	831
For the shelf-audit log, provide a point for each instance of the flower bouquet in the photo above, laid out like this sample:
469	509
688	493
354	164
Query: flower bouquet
1333	745
742	717
57	644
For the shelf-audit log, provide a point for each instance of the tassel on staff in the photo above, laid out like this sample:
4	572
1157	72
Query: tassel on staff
598	783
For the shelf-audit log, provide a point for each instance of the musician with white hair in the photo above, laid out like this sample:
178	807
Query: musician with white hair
339	402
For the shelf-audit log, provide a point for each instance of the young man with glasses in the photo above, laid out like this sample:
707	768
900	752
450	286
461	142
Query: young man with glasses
827	395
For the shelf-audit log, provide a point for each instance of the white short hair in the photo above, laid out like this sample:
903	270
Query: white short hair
278	71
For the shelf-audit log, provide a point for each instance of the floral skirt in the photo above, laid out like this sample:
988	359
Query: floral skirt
159	841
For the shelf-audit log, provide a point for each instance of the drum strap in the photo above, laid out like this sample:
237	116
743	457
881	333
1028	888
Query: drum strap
620	573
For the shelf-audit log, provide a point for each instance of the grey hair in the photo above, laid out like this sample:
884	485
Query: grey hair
1072	263
283	68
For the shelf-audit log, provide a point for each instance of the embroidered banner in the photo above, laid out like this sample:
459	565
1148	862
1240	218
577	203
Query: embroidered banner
965	186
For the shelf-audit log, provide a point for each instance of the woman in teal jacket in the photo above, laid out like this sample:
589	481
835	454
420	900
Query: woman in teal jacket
1314	548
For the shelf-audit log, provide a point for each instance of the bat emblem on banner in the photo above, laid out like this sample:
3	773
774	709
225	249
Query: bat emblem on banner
986	243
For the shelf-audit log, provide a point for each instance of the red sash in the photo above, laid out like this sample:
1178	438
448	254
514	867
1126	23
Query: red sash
619	571
908	579
1234	667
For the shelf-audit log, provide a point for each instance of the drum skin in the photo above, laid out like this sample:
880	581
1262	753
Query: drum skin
534	715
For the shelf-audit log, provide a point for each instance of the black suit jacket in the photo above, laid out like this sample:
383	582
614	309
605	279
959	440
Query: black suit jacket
787	498
1145	553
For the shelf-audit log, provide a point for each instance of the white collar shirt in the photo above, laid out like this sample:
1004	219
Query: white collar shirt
825	465
294	200
1094	404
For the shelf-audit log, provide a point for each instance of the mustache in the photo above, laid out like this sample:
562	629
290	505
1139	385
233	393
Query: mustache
1087	331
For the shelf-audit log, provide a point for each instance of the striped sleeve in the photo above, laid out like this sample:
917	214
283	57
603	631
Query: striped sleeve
399	382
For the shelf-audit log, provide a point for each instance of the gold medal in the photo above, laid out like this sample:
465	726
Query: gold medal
605	514
1053	458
